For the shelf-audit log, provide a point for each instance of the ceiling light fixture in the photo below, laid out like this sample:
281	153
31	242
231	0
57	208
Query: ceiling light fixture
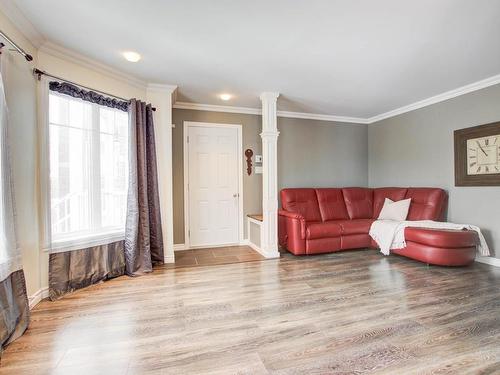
131	56
225	97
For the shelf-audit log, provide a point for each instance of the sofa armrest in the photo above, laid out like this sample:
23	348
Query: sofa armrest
296	217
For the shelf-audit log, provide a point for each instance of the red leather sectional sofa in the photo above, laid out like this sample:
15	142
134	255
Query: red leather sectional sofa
315	221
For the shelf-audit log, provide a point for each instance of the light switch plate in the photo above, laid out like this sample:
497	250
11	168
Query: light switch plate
258	170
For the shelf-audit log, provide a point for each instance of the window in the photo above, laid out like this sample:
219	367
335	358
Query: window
88	162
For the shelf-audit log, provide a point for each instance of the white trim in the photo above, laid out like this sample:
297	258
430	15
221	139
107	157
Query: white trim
43	162
437	98
257	111
217	108
37	297
162	96
269	136
81	60
488	260
169	258
239	129
320	117
161	87
180	247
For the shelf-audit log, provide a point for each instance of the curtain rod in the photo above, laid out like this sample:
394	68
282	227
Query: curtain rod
26	55
40	73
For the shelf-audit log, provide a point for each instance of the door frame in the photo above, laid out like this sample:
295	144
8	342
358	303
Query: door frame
238	127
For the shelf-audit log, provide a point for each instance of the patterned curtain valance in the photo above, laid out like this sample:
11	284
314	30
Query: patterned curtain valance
90	96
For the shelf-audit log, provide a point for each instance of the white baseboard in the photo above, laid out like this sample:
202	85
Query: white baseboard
262	252
169	258
38	296
488	260
183	247
180	247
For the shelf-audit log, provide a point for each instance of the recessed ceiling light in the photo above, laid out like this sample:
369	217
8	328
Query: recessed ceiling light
225	97
131	56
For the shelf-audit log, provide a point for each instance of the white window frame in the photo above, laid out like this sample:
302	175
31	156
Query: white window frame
73	243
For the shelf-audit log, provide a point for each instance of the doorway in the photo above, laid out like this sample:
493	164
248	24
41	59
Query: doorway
213	191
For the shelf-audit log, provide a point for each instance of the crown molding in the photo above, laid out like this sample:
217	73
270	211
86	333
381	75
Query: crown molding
22	23
491	81
217	108
77	58
257	111
320	117
161	87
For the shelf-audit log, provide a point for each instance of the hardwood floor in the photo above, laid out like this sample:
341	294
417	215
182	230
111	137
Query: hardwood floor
214	256
346	313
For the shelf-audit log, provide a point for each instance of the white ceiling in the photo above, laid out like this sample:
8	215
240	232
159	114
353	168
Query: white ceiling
355	58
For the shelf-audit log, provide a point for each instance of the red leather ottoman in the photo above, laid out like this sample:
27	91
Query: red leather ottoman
440	246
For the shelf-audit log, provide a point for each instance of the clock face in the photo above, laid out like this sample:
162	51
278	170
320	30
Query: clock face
483	155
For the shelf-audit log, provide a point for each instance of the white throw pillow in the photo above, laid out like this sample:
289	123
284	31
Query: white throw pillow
397	211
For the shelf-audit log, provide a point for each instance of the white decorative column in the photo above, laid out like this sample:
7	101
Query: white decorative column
269	135
161	97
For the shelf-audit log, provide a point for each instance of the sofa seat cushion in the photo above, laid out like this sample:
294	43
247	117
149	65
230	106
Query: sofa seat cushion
356	226
443	238
323	230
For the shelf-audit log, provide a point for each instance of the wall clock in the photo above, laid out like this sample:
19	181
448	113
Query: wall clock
477	155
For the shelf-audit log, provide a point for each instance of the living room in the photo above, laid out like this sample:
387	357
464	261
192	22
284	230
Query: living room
250	187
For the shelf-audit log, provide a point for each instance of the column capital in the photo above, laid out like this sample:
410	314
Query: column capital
269	96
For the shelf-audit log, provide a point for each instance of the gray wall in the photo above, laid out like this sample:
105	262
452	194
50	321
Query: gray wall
310	153
321	153
416	149
252	185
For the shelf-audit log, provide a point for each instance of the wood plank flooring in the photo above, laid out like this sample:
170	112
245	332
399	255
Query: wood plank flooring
351	312
215	256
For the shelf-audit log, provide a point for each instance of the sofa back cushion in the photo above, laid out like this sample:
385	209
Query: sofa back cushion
379	195
331	204
426	203
359	202
301	201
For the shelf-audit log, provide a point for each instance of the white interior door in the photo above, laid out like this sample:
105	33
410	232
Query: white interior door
213	185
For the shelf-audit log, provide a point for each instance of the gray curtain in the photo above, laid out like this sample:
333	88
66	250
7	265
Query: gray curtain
14	308
143	233
72	270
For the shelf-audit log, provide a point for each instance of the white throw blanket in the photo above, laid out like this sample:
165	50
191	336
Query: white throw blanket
389	234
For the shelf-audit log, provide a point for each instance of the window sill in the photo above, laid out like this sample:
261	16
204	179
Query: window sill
83	242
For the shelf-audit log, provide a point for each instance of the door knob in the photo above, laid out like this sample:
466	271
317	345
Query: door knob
235	195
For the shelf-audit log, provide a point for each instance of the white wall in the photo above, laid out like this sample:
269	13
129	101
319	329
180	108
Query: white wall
20	88
21	92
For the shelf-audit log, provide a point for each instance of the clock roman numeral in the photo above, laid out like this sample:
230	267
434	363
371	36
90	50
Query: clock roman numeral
472	164
487	169
487	141
478	169
498	170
